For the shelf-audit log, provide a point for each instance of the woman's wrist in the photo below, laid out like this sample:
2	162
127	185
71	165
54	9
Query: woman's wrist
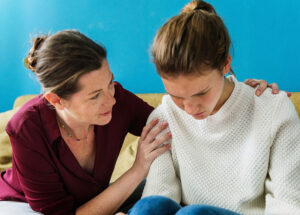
138	172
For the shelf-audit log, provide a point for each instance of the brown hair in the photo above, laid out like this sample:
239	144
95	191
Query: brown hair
59	60
191	42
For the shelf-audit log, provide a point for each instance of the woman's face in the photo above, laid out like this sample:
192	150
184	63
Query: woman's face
94	101
197	95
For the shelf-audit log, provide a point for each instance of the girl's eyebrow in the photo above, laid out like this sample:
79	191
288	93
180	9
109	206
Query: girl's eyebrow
96	91
196	94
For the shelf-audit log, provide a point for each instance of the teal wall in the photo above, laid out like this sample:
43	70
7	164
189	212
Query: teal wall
265	37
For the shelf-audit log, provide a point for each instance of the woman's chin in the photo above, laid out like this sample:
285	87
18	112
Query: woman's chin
103	120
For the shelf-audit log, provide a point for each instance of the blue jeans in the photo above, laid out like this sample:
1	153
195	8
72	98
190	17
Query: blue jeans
160	205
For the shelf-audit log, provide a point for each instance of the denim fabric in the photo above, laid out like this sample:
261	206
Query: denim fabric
135	196
160	205
155	205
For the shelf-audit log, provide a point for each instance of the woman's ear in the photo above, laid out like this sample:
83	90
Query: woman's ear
54	100
227	65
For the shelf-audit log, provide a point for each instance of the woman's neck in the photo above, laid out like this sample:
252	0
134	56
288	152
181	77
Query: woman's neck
74	127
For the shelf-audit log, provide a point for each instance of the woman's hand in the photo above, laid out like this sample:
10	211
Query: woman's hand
263	86
150	146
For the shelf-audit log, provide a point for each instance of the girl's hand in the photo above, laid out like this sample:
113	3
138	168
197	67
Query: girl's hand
263	86
150	146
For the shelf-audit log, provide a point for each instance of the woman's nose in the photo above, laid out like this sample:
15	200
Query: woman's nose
109	99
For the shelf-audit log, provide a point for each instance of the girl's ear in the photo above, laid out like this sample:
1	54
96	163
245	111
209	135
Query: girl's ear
227	65
54	100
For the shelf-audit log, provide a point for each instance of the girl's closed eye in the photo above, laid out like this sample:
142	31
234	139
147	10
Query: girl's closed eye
201	94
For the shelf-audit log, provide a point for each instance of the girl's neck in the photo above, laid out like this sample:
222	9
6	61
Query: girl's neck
227	90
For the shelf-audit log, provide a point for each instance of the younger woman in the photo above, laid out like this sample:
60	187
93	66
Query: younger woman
231	152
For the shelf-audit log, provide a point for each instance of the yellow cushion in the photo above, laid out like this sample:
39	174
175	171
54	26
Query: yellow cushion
22	100
5	146
295	97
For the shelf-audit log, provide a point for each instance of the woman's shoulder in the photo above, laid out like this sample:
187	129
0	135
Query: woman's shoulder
128	101
123	95
28	113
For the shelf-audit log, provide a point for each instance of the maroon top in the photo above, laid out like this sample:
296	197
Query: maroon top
45	173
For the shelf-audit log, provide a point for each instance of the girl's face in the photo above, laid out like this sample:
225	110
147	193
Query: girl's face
198	95
94	101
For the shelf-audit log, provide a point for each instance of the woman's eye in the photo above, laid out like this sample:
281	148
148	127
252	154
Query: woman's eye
95	97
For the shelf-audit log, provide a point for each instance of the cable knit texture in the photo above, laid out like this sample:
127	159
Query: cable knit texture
245	157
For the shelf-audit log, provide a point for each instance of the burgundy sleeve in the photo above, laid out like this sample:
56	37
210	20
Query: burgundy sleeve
38	178
138	112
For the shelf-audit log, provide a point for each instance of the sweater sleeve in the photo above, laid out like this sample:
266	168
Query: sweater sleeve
38	178
282	183
162	178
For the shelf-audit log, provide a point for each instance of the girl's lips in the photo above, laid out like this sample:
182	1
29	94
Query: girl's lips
198	114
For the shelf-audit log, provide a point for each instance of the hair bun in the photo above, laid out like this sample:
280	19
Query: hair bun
31	60
198	5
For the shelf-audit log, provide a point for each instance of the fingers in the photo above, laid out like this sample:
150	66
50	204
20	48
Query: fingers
288	94
158	142
155	131
148	128
151	146
274	87
160	151
252	82
262	86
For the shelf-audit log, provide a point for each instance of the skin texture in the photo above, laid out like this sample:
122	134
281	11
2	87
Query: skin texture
92	104
200	95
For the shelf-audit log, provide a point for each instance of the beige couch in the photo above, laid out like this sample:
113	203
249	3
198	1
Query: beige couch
128	151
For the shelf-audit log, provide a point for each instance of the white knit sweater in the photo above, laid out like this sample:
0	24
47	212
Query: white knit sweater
245	157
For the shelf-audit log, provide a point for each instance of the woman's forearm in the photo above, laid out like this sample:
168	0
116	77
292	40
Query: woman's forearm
108	201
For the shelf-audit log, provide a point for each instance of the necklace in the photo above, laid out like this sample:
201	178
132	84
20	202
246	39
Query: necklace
64	127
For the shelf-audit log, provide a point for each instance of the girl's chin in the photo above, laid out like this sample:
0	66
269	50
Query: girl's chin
200	117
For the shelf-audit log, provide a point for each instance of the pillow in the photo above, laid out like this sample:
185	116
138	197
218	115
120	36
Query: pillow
5	146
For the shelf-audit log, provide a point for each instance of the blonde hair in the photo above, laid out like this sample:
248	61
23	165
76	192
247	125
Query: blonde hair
191	42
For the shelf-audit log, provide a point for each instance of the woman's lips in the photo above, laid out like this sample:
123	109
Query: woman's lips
106	113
